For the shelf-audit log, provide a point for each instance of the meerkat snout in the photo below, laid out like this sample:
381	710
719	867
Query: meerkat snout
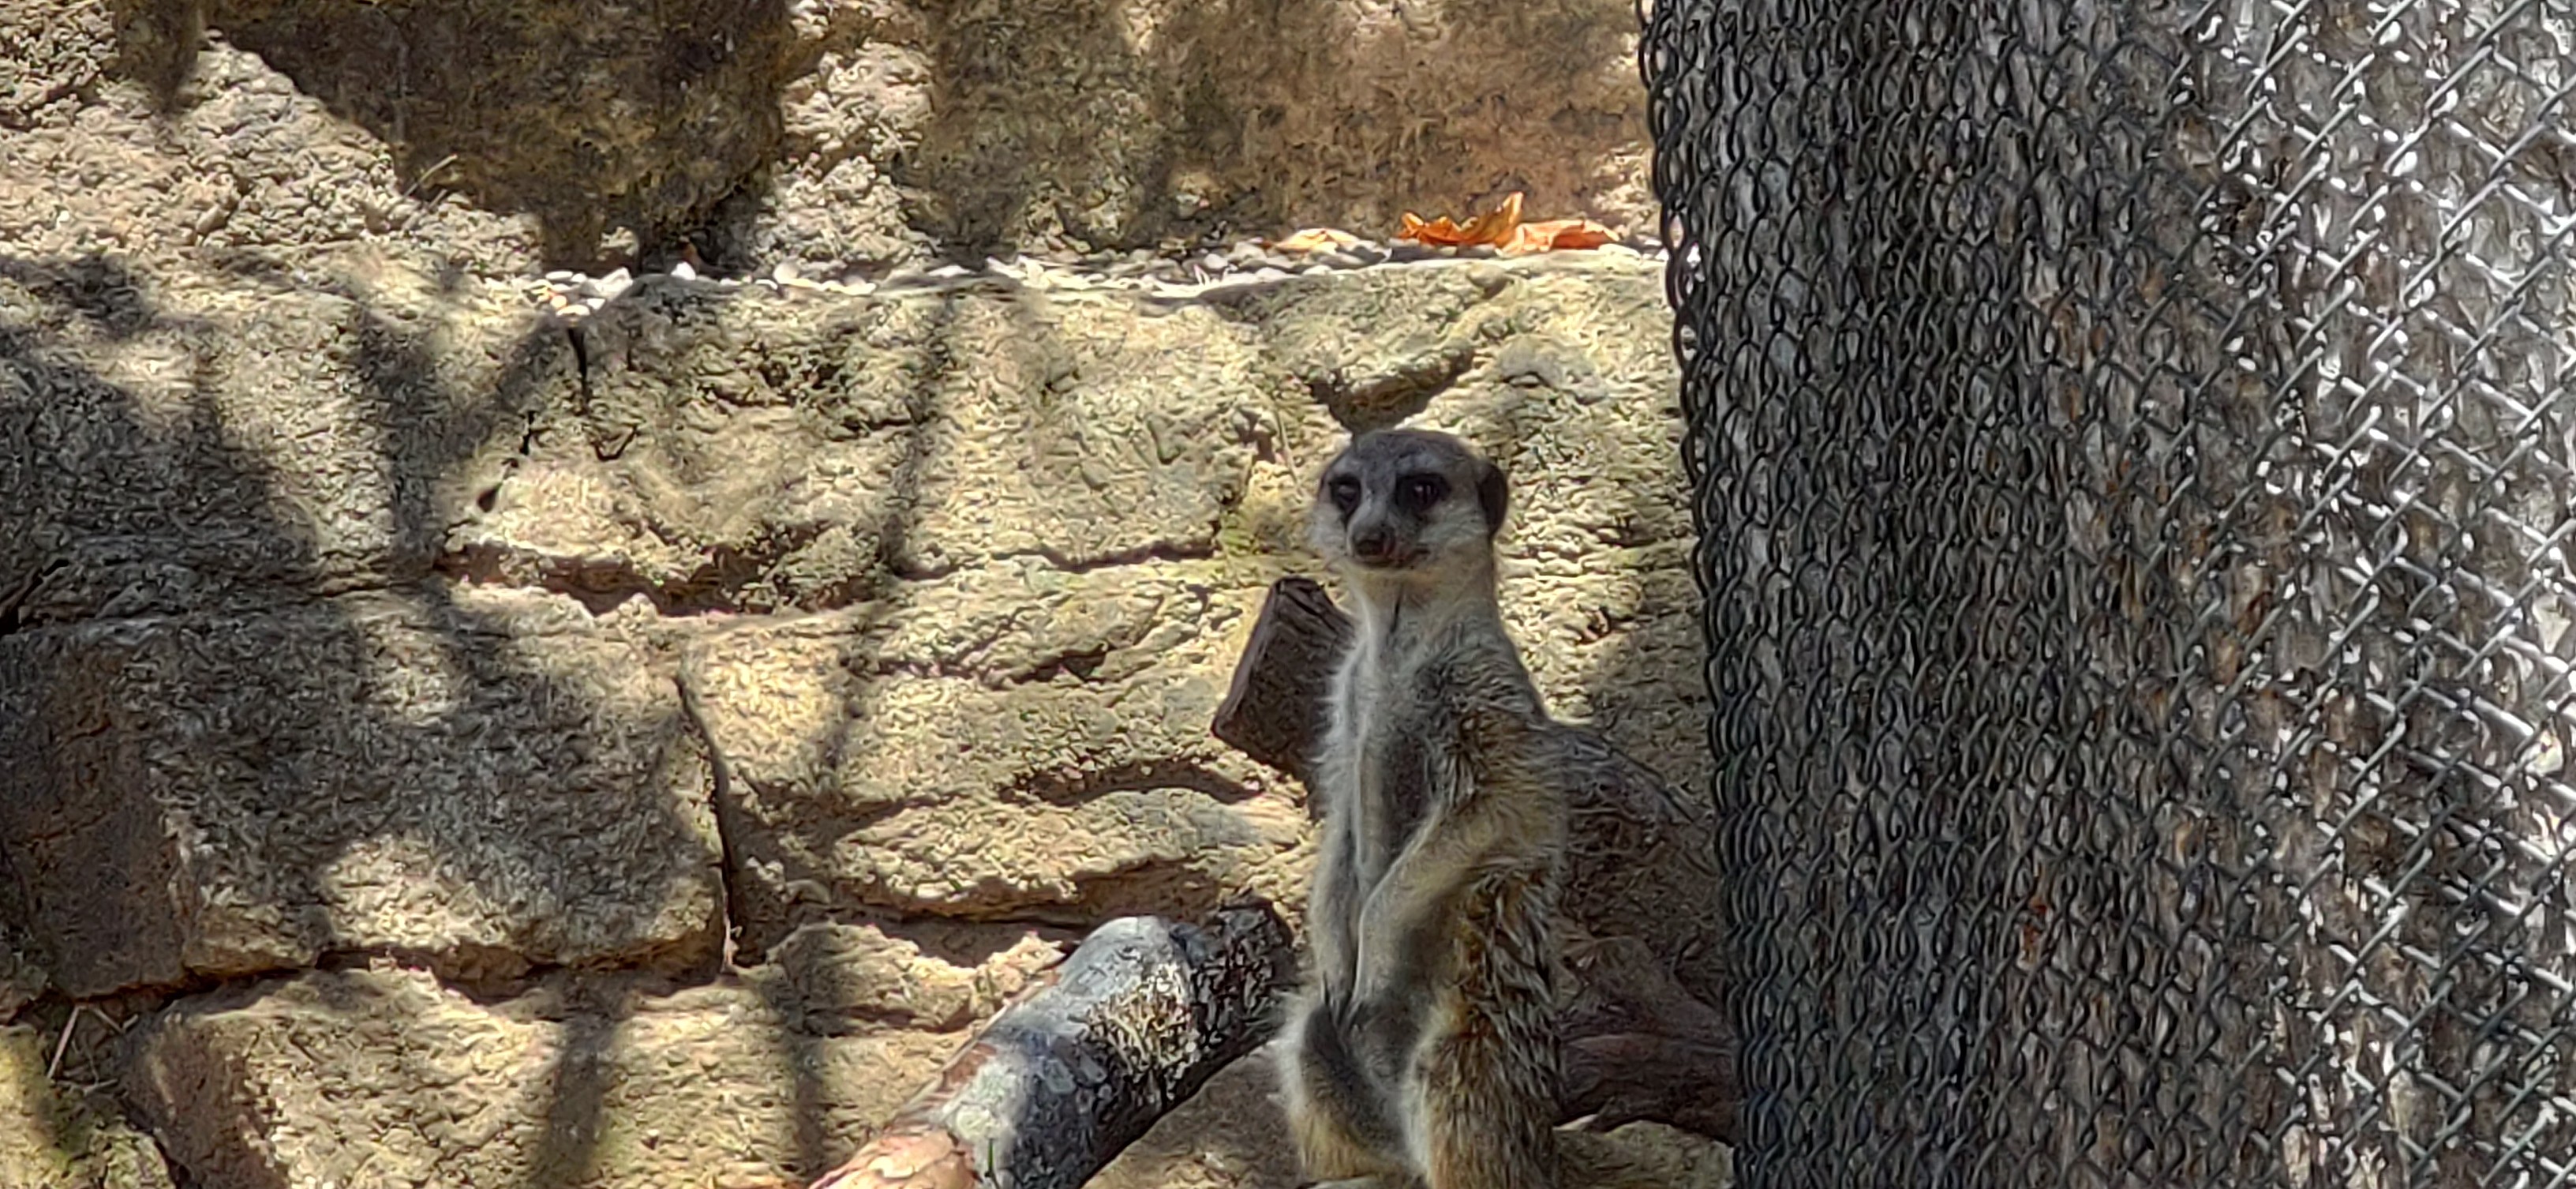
1398	499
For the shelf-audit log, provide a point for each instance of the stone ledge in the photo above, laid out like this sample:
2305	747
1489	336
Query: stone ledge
485	781
384	1077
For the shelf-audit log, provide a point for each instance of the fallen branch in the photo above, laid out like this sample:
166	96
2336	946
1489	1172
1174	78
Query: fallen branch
1082	1062
1640	1040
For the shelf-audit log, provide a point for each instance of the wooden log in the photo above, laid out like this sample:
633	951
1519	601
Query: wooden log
1640	1039
1085	1059
1274	710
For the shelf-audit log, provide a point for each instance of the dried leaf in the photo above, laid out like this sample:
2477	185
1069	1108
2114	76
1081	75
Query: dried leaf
1557	235
1502	228
1492	227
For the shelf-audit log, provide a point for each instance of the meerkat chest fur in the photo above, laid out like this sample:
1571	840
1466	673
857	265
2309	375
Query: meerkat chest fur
1413	675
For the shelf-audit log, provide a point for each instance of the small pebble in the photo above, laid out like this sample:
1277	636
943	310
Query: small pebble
1246	252
1408	251
1338	259
1268	274
1212	263
785	272
1314	270
948	272
684	272
561	276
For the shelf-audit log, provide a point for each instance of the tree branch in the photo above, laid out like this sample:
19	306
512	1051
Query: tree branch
1087	1058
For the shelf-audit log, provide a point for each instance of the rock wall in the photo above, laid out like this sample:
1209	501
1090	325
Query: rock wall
833	132
445	742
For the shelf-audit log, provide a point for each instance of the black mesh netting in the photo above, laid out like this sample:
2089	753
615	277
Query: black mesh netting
2132	446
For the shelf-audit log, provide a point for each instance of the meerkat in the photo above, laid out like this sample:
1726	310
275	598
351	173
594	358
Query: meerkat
1421	1052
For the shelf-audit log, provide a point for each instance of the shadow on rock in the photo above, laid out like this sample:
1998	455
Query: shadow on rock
592	116
293	744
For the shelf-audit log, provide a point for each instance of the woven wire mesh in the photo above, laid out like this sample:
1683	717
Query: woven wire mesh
2132	447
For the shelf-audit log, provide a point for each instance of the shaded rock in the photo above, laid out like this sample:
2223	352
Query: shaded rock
55	1138
588	116
485	781
608	132
1016	741
1113	123
174	447
382	1077
1376	347
757	454
147	141
1232	1135
846	978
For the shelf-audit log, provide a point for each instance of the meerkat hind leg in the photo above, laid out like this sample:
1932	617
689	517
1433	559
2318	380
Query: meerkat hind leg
1488	1081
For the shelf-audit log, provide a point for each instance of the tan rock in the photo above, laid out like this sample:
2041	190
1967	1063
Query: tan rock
502	136
178	446
1016	741
1115	123
142	139
53	1137
755	453
382	1077
485	780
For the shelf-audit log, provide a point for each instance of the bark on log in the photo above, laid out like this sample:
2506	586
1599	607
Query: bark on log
1640	1039
1274	710
1087	1058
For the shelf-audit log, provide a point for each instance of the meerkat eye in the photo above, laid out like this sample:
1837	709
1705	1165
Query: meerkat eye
1345	493
1419	492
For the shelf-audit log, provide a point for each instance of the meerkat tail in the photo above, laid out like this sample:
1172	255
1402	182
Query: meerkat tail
1341	1128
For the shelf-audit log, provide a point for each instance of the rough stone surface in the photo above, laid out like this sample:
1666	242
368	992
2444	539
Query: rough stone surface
836	132
1021	743
751	608
1011	720
1232	1135
486	781
174	445
750	452
56	1137
358	605
382	1077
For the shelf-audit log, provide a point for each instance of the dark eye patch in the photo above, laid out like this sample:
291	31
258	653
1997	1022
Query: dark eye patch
1417	493
1344	492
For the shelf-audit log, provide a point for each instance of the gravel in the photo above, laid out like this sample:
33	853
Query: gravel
1178	272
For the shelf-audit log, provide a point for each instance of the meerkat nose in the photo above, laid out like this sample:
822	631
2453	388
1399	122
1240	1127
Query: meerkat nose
1373	543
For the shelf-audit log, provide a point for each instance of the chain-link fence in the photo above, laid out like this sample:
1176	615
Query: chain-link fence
2133	446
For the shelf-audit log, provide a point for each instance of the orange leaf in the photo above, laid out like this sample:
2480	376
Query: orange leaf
1492	227
1557	235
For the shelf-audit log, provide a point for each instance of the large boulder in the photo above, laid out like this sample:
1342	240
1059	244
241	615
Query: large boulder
501	135
382	1076
485	781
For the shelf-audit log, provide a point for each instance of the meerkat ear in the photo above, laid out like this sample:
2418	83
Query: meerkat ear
1494	492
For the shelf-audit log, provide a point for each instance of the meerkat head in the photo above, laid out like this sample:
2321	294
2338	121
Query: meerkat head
1399	505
